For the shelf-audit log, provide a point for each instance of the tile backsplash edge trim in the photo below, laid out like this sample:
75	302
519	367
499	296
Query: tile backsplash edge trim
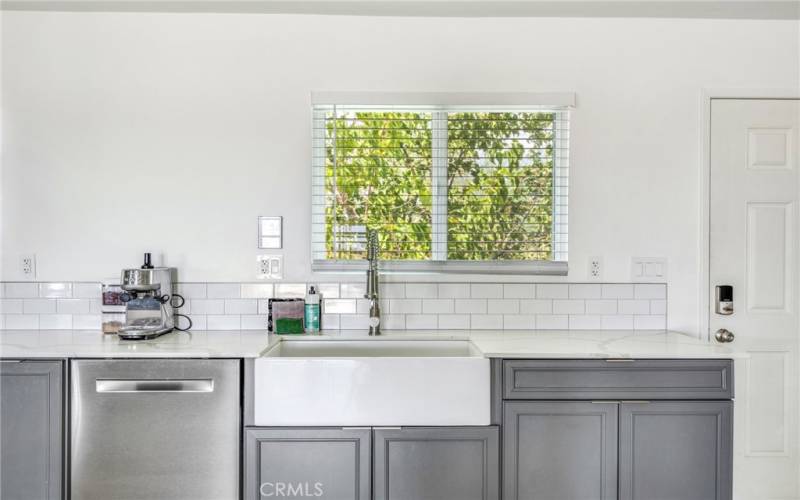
410	305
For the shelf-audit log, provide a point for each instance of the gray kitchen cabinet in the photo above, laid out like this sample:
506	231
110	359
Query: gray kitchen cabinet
31	429
436	463
324	463
560	450
676	450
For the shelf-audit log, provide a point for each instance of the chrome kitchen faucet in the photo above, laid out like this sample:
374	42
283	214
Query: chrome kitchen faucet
373	284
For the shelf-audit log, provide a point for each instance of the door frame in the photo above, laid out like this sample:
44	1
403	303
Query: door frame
704	241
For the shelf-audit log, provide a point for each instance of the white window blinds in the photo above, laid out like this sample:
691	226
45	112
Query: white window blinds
461	188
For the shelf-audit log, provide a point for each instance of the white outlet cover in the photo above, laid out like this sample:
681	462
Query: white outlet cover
269	267
590	268
27	266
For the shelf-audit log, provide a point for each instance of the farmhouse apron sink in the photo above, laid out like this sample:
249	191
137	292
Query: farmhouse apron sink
372	383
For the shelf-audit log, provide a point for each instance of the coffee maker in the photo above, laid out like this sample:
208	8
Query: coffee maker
149	302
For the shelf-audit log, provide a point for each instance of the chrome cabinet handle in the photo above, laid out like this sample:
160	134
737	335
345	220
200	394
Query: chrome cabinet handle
724	336
116	385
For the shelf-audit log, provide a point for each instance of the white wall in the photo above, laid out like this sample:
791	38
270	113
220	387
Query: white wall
172	132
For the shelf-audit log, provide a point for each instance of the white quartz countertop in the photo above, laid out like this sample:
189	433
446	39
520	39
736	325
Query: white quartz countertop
565	344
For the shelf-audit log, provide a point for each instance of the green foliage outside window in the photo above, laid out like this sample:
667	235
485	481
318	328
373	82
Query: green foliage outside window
379	169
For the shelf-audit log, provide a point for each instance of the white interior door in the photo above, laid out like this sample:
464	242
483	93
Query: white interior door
753	212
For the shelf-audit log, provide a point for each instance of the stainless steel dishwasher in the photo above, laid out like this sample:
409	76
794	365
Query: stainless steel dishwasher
165	429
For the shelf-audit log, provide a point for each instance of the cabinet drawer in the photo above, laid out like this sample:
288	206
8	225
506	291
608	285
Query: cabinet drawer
618	379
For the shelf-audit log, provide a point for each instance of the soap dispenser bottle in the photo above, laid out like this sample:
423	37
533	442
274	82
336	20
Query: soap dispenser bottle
312	311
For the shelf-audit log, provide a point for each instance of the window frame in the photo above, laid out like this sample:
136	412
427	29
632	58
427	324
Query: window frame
441	104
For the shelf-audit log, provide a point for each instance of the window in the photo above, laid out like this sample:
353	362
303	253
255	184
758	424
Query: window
447	187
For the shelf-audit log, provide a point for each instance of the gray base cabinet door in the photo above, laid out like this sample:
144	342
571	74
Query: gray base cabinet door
560	451
676	450
31	430
323	463
436	463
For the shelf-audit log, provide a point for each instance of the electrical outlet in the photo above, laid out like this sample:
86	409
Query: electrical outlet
27	266
269	267
595	268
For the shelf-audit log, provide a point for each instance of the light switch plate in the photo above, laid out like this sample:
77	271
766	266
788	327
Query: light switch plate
270	232
649	269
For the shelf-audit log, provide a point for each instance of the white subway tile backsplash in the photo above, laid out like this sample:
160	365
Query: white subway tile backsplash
55	290
617	291
353	290
340	306
208	306
86	290
393	321
568	306
650	291
552	322
55	321
241	306
584	322
453	290
87	321
486	291
486	322
634	306
413	305
223	322
39	306
519	322
256	290
329	321
421	290
2	318
585	291
353	321
393	290
405	306
329	290
199	322
21	290
471	306
224	290
75	306
11	306
502	306
519	291
655	322
191	290
290	290
421	321
454	321
552	291
658	307
616	322
22	321
438	306
253	322
536	306
601	306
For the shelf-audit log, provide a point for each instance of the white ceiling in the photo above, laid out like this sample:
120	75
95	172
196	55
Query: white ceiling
730	9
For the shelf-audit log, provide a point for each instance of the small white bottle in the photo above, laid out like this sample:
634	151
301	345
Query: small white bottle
312	311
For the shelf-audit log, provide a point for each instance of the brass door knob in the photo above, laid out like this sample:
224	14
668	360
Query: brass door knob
724	336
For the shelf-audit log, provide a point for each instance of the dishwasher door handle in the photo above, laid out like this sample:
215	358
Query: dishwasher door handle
154	385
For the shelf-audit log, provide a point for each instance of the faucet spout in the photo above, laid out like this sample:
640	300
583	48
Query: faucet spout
373	284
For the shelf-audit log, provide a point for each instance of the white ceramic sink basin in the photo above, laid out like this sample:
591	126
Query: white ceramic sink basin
372	383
